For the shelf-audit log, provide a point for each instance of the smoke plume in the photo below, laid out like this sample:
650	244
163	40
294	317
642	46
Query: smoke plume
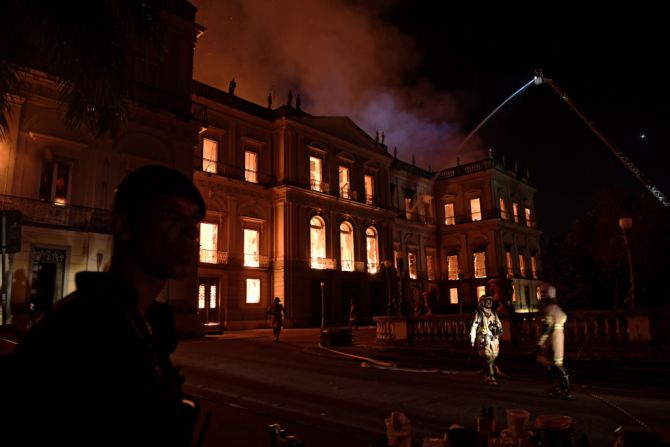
341	57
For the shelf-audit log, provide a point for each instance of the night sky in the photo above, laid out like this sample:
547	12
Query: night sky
427	75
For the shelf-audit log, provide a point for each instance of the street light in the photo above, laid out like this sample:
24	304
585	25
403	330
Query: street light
625	223
323	306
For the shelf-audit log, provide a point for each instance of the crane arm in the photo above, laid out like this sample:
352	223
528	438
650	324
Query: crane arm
540	79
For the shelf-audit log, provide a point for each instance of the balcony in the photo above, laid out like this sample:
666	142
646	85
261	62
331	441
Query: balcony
370	199
71	217
323	263
225	170
317	185
256	260
213	256
483	215
411	216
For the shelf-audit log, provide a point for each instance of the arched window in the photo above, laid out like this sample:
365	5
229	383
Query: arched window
317	239
347	246
372	248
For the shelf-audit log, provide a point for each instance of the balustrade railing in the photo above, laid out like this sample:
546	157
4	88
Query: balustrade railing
73	217
213	256
615	327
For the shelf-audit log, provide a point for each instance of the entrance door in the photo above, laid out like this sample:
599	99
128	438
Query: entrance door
47	278
208	301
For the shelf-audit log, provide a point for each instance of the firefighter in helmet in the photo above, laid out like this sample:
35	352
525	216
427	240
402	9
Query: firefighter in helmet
486	331
550	346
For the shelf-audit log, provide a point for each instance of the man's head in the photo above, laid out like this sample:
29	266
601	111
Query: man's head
156	213
547	292
277	300
485	301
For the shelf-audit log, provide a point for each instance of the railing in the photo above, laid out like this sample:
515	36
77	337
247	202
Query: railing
225	170
468	168
73	217
412	216
369	199
595	328
493	213
316	185
251	176
256	260
359	266
347	265
323	263
345	192
372	267
213	256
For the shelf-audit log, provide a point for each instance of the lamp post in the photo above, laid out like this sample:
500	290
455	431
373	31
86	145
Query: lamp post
389	296
323	307
625	223
460	291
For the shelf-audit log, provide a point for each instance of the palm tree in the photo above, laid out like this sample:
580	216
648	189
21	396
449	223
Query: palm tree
86	44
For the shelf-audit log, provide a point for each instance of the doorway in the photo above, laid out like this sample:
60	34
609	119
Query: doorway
47	283
209	308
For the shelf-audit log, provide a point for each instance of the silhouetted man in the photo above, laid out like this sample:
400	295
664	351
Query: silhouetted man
96	369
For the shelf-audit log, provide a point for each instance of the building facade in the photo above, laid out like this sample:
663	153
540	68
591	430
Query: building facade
314	211
306	208
62	180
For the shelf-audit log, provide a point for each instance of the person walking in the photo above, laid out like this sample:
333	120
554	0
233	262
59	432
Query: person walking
353	315
486	330
549	349
276	314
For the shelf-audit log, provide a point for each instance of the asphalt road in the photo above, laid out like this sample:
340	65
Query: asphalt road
247	382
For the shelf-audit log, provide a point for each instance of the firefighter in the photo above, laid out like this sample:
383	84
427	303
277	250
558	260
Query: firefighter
550	346
486	330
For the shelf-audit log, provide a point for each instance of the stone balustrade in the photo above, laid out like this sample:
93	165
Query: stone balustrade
609	327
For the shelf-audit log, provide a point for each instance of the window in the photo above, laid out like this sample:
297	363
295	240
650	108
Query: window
480	264
317	240
315	173
201	296
515	209
522	266
347	246
529	221
503	209
210	155
372	248
453	295
508	261
533	266
251	252
208	242
411	258
408	208
369	190
449	217
452	267
430	269
55	182
475	209
345	184
481	290
251	166
253	291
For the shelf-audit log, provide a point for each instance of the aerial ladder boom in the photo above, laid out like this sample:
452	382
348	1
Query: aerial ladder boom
539	79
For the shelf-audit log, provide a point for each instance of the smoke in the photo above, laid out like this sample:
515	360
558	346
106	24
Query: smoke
341	57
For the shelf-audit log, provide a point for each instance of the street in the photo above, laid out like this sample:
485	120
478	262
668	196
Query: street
248	382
